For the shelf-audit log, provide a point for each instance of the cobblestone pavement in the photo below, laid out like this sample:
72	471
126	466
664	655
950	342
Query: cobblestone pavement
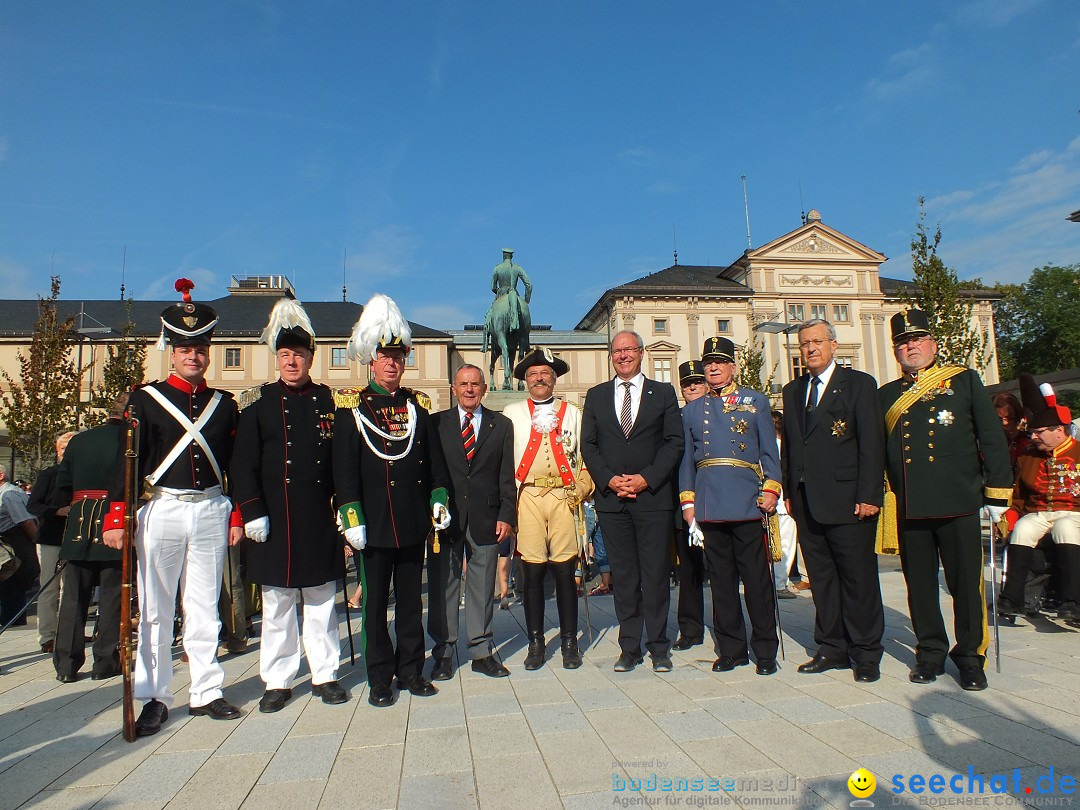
575	739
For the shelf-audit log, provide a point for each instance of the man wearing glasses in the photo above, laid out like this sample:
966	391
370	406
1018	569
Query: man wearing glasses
945	459
1045	500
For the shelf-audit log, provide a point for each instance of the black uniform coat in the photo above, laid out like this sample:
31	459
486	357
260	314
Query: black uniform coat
482	491
395	496
43	503
947	455
840	461
282	468
159	432
87	467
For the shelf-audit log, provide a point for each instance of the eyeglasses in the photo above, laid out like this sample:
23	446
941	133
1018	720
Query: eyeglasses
1039	432
911	342
816	343
631	350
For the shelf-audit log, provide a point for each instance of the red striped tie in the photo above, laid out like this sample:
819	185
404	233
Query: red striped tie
468	437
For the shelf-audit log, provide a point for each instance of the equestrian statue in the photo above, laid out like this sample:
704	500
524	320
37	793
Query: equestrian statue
507	323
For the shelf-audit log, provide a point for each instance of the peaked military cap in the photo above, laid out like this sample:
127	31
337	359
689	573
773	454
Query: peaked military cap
691	371
718	348
912	323
540	357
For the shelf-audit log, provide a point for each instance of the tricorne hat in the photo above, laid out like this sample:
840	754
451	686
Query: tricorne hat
718	348
381	326
186	323
540	357
910	323
691	371
1040	404
289	326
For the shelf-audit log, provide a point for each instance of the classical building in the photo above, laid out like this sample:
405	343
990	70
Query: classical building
813	271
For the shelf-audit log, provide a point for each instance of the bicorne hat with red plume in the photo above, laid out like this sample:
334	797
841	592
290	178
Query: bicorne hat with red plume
1040	404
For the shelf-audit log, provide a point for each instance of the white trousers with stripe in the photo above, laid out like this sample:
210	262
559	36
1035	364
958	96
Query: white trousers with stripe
279	657
183	544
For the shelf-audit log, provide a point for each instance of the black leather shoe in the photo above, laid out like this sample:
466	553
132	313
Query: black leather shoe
1070	611
381	695
153	716
417	685
443	670
331	692
867	673
684	643
661	663
65	678
726	663
820	663
490	666
219	709
972	679
571	655
767	666
627	662
534	658
925	673
274	700
104	675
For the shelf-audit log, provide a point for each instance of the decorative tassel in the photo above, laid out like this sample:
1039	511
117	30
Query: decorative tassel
887	540
161	344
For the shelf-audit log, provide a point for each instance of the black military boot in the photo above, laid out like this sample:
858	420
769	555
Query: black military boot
1017	566
533	603
566	601
1068	559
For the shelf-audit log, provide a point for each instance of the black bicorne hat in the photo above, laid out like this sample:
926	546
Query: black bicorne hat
540	357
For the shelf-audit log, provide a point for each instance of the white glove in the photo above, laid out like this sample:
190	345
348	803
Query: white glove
697	537
996	513
357	537
441	516
258	529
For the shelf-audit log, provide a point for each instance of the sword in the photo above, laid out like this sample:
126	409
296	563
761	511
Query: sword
348	618
993	592
768	527
579	529
59	567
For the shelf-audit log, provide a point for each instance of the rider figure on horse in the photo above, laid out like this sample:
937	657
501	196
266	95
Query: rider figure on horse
504	279
508	321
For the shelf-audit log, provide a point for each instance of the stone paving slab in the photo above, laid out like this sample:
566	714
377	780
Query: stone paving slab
584	738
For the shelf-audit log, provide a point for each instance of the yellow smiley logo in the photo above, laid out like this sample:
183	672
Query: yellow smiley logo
862	783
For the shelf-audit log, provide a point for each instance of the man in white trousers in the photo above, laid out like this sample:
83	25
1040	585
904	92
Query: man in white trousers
186	432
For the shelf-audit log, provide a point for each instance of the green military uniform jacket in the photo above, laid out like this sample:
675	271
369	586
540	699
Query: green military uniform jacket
87	470
947	454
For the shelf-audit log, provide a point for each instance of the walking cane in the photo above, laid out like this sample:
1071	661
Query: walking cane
345	593
59	567
993	593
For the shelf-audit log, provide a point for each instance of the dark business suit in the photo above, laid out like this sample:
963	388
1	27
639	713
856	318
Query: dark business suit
834	459
637	531
482	492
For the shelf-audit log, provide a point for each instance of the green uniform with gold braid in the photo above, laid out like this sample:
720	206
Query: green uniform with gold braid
946	458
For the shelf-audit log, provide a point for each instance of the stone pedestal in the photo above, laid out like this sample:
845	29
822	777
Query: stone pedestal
497	400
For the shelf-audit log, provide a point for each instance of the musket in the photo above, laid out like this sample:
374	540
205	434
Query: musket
131	498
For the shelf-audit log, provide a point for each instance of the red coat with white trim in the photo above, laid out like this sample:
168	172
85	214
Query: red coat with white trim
283	469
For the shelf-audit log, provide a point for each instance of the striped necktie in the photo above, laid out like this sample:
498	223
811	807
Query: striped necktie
625	419
468	437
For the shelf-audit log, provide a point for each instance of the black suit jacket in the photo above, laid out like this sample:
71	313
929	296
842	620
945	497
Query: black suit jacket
482	491
841	459
653	448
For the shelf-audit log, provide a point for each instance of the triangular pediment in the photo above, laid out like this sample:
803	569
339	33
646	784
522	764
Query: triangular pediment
815	242
663	346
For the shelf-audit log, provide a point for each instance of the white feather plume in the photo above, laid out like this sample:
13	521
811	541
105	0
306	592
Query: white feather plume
288	313
379	323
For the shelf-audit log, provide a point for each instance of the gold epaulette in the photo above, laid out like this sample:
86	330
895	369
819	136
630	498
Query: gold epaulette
422	399
347	397
249	397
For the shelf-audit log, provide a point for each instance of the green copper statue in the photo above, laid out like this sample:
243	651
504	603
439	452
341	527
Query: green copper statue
507	324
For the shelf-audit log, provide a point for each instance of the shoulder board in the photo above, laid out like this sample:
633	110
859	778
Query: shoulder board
347	397
574	405
422	399
249	397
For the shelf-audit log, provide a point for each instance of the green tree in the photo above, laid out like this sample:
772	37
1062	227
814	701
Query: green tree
937	292
751	356
122	369
44	400
1039	331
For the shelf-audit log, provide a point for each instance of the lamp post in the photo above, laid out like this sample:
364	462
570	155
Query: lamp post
785	329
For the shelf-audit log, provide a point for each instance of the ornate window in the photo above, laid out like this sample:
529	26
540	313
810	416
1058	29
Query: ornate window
234	357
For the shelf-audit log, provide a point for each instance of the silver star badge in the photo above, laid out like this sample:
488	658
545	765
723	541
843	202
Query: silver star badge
945	417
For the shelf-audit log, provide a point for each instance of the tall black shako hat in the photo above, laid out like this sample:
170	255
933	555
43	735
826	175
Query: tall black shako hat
540	357
1040	404
691	371
289	326
718	348
186	323
908	324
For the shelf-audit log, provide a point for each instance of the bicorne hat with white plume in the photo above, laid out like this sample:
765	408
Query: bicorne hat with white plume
289	327
381	326
1040	404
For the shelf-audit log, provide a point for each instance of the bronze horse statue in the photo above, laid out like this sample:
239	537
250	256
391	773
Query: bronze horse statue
508	321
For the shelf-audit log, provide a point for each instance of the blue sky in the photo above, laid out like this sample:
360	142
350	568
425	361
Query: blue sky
222	138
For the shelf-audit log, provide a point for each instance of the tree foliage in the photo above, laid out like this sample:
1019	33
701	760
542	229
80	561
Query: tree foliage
44	400
937	292
751	357
122	369
1035	323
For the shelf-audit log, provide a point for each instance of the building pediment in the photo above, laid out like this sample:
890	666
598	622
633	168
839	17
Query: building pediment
815	242
662	346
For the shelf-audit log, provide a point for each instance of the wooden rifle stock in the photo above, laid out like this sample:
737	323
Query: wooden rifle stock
131	499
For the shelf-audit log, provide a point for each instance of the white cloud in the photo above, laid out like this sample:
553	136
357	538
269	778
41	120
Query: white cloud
906	72
388	251
207	286
443	316
994	13
15	281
